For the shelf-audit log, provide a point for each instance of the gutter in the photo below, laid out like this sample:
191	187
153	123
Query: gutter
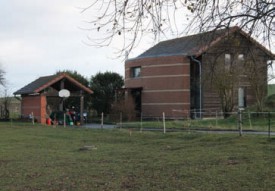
199	63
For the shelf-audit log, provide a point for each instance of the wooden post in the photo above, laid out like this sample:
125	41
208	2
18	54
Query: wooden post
249	115
64	121
32	118
102	118
141	125
61	104
81	108
240	122
269	124
120	120
163	119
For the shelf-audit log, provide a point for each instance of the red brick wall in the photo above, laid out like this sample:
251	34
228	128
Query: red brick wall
36	105
165	82
234	46
43	111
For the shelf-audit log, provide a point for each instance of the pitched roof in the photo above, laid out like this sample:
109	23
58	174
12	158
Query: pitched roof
44	82
194	45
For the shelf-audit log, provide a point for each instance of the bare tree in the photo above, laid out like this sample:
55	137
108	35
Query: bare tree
237	62
124	107
134	19
6	99
2	77
5	112
223	76
256	74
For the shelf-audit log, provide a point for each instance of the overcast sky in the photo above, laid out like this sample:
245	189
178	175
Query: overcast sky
38	38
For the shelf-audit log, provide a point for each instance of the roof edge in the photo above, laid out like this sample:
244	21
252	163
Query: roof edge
88	90
156	56
54	79
67	76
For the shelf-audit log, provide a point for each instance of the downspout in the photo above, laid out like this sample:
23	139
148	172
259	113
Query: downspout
199	63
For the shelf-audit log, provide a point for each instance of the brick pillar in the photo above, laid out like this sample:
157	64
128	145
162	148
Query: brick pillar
43	109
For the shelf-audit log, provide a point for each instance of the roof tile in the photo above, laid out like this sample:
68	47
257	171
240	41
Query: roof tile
42	83
193	45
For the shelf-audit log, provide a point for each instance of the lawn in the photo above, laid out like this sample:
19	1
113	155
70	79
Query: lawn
46	158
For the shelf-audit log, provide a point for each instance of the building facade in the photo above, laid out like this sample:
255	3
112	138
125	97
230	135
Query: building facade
181	76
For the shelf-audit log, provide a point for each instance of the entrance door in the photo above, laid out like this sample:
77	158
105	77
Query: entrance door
136	93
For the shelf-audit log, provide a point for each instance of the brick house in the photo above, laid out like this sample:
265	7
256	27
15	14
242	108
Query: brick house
176	76
41	96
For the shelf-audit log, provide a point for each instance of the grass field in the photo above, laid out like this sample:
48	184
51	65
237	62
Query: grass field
46	158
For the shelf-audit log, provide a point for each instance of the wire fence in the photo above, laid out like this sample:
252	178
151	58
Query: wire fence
241	121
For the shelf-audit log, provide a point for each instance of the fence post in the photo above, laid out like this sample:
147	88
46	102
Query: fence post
141	125
240	122
269	124
163	119
120	120
64	120
249	115
32	118
102	118
216	119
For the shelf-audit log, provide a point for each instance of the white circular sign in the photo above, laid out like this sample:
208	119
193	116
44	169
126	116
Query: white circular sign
64	93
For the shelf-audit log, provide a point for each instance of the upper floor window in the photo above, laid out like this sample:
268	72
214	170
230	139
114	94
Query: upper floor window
227	61
135	72
241	57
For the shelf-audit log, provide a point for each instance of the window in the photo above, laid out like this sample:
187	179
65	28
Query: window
241	57
135	72
227	61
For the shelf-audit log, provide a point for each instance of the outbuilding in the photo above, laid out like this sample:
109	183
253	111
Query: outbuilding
45	94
